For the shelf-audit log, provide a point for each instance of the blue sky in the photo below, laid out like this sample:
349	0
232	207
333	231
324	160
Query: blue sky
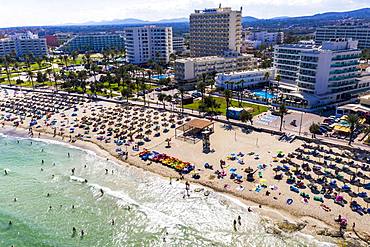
52	12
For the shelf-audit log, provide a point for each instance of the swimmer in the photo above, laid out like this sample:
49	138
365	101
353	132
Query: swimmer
15	199
73	206
112	222
52	176
47	195
42	150
69	155
74	231
106	171
5	172
42	162
249	209
42	169
50	207
102	192
73	171
85	181
82	233
10	223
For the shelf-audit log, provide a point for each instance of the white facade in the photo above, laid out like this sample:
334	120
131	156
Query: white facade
359	33
244	79
215	31
23	44
323	74
189	69
178	44
93	43
265	38
148	43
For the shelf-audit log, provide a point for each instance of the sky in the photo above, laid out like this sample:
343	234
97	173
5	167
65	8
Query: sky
53	12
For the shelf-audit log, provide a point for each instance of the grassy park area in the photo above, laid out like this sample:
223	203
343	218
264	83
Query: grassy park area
221	102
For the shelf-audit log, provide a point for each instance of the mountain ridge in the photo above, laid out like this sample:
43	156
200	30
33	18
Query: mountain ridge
363	13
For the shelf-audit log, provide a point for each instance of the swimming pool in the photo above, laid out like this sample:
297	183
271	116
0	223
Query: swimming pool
261	93
161	77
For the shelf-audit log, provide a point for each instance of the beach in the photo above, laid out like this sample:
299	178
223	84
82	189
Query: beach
240	150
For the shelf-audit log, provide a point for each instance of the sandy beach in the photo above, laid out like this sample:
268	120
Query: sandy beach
258	151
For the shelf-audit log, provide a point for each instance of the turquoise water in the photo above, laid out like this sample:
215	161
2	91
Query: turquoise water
158	214
264	95
161	77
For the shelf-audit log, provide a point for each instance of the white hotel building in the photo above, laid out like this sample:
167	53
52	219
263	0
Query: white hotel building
244	79
23	44
215	31
148	43
188	70
319	75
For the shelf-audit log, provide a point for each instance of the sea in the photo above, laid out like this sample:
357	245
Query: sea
41	202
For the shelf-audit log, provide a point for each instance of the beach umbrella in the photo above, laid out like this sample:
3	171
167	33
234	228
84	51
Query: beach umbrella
367	200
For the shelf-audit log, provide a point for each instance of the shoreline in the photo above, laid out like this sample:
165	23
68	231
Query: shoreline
283	219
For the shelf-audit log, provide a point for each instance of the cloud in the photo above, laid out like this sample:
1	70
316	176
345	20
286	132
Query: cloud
50	12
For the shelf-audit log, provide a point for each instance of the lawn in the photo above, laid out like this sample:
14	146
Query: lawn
257	109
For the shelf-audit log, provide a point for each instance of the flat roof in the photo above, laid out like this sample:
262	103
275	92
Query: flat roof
199	123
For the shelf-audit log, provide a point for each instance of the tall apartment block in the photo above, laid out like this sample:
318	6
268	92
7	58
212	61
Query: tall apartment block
93	43
359	33
319	74
23	44
215	31
148	43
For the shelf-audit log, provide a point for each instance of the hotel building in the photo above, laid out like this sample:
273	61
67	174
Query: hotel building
23	44
359	33
178	44
188	70
148	43
215	31
319	75
93	43
244	79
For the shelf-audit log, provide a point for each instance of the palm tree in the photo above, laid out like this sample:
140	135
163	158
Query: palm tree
168	99
282	112
38	60
49	71
314	129
354	121
143	88
246	116
74	56
201	86
228	95
213	79
182	91
126	92
30	77
162	98
7	60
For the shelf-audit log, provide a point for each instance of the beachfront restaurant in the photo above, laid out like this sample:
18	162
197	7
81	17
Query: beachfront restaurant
192	130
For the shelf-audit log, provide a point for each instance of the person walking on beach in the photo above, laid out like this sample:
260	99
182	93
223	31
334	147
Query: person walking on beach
187	188
234	223
73	171
106	171
239	220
